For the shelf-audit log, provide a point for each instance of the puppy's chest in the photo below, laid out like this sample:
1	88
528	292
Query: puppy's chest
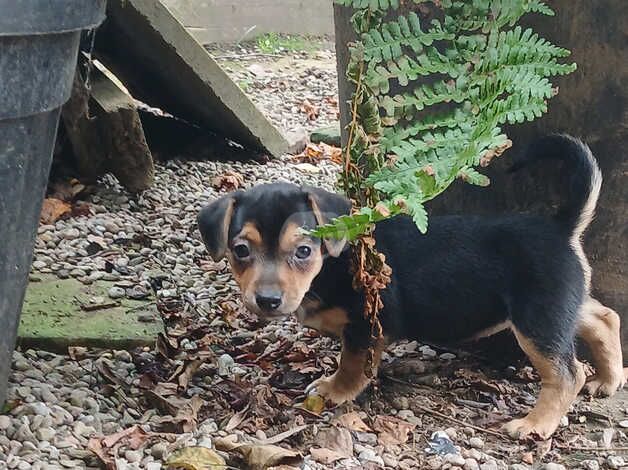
326	319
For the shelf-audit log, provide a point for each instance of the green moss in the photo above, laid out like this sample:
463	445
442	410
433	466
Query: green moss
52	317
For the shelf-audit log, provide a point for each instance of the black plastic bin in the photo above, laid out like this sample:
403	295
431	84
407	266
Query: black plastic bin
39	42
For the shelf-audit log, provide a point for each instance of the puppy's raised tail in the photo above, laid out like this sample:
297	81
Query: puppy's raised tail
584	178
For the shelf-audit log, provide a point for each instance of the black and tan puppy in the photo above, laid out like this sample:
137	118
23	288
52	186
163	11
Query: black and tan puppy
468	277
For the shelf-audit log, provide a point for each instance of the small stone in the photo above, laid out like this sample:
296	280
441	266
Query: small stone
225	364
39	408
553	466
297	140
606	438
205	442
427	351
133	456
623	423
39	264
471	464
77	397
159	450
518	466
25	434
590	464
488	466
45	434
452	433
447	356
455	459
476	442
390	460
116	292
367	438
329	135
70	234
564	422
153	466
370	456
122	355
5	422
307	168
615	461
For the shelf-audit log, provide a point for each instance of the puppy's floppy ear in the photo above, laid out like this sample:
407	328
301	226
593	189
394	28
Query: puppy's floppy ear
213	223
327	206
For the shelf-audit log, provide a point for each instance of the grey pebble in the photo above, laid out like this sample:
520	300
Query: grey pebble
116	292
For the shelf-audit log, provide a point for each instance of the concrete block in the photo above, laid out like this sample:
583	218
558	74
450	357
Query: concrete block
54	317
164	66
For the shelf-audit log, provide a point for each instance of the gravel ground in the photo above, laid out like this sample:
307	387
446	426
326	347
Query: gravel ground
295	90
219	373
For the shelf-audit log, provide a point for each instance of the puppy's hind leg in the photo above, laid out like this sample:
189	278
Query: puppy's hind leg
599	328
562	377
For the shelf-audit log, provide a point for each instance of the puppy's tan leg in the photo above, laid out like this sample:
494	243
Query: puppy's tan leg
349	380
560	384
599	328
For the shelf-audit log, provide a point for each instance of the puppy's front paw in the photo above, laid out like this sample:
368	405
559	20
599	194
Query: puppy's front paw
333	389
600	386
523	427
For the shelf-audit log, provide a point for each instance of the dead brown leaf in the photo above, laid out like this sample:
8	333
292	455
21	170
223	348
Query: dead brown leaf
228	181
185	420
314	403
310	110
54	209
352	421
187	374
336	439
106	448
496	152
392	430
276	439
196	458
260	457
314	153
528	458
326	456
77	353
95	445
237	419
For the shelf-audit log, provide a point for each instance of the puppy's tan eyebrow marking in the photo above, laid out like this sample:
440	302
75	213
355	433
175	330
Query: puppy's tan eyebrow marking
290	236
249	232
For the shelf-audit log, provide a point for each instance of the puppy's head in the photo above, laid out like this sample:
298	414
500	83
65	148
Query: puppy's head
261	233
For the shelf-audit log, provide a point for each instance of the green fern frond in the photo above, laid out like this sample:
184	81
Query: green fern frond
388	43
374	5
457	80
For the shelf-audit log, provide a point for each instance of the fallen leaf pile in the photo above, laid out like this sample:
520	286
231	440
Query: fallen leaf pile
62	202
314	153
310	110
228	181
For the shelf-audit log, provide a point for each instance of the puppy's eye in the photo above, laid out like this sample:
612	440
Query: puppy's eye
241	251
303	252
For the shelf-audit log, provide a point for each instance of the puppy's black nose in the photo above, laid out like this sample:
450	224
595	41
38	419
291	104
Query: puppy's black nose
268	300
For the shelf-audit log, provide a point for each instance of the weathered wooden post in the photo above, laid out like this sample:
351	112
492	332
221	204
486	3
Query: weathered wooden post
593	105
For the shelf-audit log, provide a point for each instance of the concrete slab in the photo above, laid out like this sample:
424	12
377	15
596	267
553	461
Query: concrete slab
60	313
163	65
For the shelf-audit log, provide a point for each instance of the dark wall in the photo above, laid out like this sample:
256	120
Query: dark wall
592	105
